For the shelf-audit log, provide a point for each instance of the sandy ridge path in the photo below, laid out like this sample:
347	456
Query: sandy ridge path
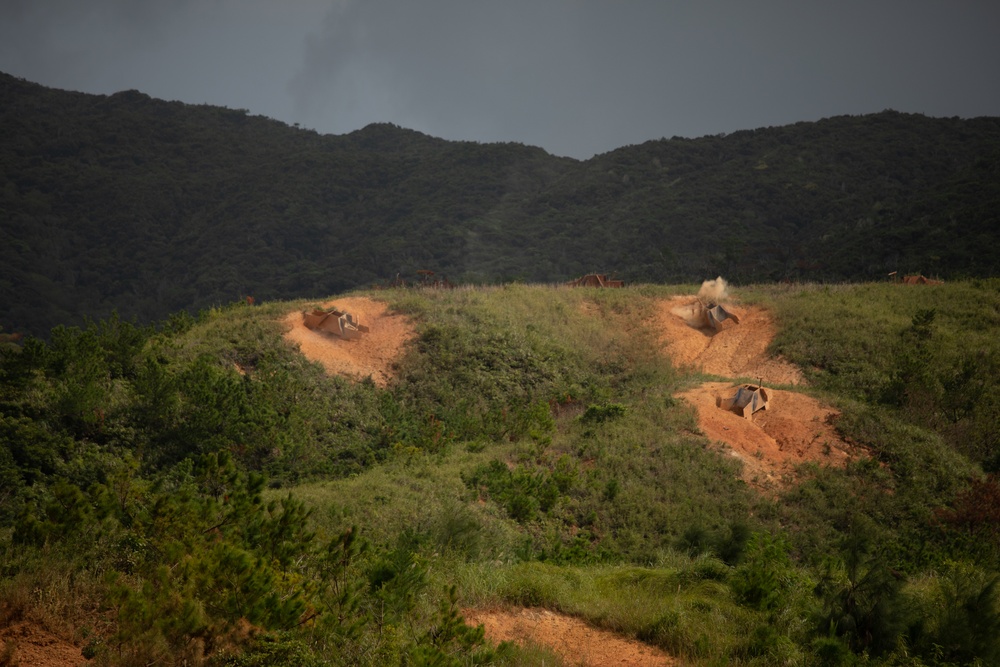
575	641
373	355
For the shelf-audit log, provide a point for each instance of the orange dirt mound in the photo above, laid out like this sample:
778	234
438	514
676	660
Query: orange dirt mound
735	350
575	641
373	355
27	644
794	429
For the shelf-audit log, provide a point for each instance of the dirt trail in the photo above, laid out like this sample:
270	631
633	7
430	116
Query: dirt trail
373	355
572	639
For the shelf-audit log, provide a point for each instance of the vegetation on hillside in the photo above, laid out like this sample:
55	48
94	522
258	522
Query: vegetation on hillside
145	207
197	491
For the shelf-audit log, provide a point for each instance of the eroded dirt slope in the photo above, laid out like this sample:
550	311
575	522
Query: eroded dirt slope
373	355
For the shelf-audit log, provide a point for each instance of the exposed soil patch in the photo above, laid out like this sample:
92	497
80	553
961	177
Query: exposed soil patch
26	644
373	355
572	639
794	429
735	350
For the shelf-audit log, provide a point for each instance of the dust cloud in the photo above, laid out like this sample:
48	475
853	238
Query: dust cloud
713	291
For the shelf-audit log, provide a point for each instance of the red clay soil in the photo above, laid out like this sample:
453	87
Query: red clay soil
573	640
24	644
373	355
794	429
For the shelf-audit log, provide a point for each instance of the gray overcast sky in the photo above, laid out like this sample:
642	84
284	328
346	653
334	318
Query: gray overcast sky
576	77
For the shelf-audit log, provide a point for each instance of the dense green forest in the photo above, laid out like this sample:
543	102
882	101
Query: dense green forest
146	207
197	492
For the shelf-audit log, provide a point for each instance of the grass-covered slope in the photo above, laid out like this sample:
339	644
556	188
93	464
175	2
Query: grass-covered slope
200	491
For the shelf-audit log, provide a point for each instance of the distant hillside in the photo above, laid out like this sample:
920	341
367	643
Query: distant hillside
148	207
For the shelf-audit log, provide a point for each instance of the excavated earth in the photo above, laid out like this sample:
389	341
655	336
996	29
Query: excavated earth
794	429
372	355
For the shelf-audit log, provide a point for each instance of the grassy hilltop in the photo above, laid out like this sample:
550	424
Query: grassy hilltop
200	491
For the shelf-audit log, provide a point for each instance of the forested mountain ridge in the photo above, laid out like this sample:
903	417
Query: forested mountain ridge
148	207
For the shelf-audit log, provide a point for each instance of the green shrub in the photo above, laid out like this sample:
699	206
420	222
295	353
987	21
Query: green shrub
766	579
597	414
